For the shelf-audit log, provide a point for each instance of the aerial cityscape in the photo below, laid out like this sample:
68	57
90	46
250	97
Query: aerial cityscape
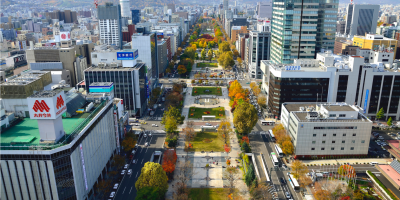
200	100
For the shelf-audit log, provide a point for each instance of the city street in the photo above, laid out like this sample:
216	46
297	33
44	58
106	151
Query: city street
126	189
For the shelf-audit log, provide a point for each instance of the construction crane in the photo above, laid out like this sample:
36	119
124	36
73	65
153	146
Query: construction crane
96	3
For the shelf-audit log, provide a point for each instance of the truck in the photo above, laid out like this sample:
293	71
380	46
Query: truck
156	157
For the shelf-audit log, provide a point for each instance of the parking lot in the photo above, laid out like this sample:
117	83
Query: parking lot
378	145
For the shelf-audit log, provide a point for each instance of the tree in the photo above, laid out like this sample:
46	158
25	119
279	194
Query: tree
250	175
231	174
262	100
181	69
174	113
152	175
169	161
256	91
203	54
245	117
304	181
224	129
104	186
347	171
389	122
245	148
149	193
261	192
298	169
118	161
171	124
226	60
380	114
239	61
210	54
224	46
189	134
320	193
253	85
235	53
128	143
184	175
287	147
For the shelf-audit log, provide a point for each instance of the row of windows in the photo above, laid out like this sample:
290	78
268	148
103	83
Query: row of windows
334	115
324	135
335	127
343	141
332	148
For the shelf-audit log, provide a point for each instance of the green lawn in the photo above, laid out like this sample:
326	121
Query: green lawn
209	193
200	91
216	144
207	64
199	112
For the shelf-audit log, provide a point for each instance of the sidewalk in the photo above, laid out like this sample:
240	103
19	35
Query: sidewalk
352	161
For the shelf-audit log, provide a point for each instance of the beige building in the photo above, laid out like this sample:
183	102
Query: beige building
236	30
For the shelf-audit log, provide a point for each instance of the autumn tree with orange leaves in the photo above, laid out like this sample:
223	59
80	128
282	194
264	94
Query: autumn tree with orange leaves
169	161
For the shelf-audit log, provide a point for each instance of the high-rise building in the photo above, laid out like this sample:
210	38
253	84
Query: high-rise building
259	49
302	28
125	8
374	42
264	10
340	27
171	6
226	4
361	19
135	16
110	24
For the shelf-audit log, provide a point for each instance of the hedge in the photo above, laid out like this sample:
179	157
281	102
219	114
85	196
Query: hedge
380	184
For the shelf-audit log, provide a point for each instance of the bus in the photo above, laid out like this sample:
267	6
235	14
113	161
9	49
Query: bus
278	150
271	135
267	123
274	159
293	182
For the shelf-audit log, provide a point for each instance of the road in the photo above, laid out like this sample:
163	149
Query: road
127	189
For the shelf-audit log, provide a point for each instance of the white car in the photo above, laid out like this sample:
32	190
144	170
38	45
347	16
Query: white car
145	135
133	151
154	125
123	172
149	134
126	166
133	161
129	172
112	194
115	186
288	196
146	144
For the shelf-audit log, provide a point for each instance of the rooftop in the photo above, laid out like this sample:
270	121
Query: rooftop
119	68
336	107
392	173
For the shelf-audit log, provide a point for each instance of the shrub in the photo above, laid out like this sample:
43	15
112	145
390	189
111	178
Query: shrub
380	184
207	165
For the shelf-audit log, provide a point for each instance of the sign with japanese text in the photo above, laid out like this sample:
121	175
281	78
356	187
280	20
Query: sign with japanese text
47	107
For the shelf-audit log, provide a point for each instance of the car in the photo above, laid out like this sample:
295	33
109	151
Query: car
115	186
123	172
146	144
133	151
154	125
282	180
112	194
145	135
208	124
284	166
149	134
126	166
129	172
133	161
288	196
136	146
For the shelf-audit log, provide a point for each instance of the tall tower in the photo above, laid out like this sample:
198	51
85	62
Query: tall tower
226	4
302	28
361	19
125	8
110	24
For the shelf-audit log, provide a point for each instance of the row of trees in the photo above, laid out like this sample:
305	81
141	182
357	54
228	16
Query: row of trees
283	139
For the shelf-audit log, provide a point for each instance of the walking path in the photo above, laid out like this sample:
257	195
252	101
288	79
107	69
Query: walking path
212	177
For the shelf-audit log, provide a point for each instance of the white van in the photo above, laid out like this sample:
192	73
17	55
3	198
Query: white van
373	163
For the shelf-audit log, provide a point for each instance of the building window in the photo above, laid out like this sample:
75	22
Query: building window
333	141
313	142
351	148
343	141
334	135
322	148
333	148
362	141
312	149
341	148
332	115
342	115
354	134
314	135
353	141
323	142
344	134
324	135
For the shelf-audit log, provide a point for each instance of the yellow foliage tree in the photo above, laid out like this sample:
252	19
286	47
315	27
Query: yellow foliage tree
287	147
298	169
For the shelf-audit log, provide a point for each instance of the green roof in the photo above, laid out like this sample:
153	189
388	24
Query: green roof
27	131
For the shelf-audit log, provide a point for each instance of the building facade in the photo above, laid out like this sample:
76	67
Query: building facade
259	49
361	19
110	24
302	28
374	42
264	10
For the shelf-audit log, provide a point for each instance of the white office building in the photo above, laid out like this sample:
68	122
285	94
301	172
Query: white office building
361	19
110	24
329	130
125	8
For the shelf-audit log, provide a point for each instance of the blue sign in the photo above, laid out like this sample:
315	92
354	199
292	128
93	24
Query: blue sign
160	33
291	68
125	56
136	54
366	101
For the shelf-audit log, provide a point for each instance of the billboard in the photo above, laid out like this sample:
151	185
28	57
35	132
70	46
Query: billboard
292	68
47	107
125	55
83	166
19	58
64	36
366	101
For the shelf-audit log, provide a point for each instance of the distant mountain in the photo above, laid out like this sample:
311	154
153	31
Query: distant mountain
370	1
134	3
